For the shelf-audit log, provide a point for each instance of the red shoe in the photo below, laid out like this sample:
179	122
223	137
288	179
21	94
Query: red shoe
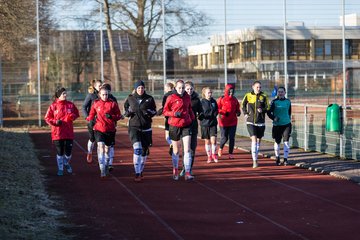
138	177
188	176
89	158
209	159
215	158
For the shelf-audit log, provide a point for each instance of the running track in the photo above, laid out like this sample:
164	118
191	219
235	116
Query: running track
227	200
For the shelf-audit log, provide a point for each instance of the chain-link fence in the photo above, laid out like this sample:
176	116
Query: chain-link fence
76	46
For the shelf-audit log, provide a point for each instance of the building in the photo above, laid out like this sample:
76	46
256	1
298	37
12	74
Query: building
314	55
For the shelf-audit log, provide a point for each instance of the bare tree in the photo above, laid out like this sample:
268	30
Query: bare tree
113	54
17	21
142	18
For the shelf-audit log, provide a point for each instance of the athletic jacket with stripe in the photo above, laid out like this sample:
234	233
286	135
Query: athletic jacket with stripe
250	105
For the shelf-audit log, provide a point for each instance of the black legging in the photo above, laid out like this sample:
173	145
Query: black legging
193	145
63	146
228	133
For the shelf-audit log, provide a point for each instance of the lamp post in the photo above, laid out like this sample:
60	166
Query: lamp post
225	46
163	40
38	60
342	150
285	52
101	44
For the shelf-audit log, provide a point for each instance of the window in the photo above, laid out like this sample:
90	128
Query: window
272	49
298	49
249	50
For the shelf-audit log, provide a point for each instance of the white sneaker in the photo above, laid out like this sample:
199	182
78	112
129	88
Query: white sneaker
255	164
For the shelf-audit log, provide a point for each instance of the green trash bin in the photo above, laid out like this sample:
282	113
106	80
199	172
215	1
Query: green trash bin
333	118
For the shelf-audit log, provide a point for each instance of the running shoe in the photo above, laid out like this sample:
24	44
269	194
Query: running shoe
188	176
231	156
278	161
220	152
285	162
175	174
111	168
137	177
215	158
255	164
89	158
209	159
68	168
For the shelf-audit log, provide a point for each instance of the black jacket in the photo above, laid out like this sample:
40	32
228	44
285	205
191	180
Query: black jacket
210	112
197	110
160	111
89	100
140	110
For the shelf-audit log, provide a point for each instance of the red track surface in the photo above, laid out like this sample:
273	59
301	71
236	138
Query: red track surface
227	200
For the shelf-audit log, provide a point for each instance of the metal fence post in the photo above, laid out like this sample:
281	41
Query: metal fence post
305	128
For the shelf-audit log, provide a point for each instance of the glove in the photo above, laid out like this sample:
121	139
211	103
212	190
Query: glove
159	112
129	114
201	116
177	114
92	123
58	122
108	116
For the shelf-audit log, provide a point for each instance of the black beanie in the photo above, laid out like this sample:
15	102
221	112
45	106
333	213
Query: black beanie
139	83
59	91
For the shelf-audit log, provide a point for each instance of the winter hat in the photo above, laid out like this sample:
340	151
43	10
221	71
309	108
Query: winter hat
59	91
139	83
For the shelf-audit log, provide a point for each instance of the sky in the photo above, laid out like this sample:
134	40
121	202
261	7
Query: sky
242	14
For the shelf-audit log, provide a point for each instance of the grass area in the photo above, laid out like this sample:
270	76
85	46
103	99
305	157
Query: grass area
26	212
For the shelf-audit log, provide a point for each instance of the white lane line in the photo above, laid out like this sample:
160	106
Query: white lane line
252	211
163	222
300	190
167	226
313	195
246	207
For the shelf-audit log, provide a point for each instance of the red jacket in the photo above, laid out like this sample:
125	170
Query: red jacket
99	109
176	103
65	111
228	105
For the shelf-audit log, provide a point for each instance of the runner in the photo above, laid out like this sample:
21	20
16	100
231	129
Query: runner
255	105
280	113
178	109
140	108
60	116
107	113
209	124
89	100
